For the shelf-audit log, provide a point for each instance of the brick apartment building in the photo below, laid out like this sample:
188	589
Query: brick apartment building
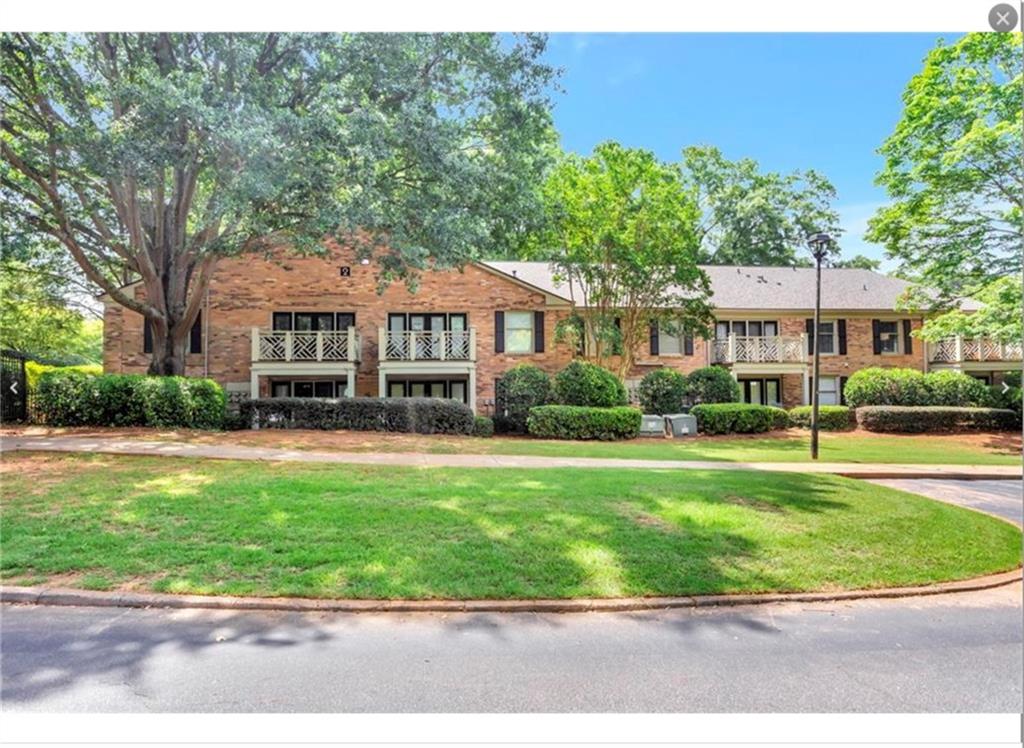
317	327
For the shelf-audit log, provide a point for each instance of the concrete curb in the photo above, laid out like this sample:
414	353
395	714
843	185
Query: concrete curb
63	596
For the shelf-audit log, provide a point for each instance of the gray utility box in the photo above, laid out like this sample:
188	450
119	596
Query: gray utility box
682	424
652	426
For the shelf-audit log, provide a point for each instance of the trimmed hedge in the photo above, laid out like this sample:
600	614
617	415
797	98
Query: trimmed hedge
830	417
419	415
72	398
933	418
662	391
483	426
35	370
712	384
584	423
738	418
589	385
522	387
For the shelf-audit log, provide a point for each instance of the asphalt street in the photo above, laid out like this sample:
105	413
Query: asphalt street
945	653
1003	498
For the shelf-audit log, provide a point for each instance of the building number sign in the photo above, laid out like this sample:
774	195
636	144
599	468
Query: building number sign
346	271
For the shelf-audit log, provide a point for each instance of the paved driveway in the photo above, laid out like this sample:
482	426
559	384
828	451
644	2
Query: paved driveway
945	653
1004	498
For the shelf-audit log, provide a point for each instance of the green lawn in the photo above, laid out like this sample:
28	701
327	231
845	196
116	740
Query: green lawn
790	448
185	525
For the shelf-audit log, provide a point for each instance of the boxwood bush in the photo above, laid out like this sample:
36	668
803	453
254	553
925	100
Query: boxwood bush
934	418
419	415
73	398
483	426
522	387
712	384
830	417
589	385
662	391
35	370
738	418
581	422
956	388
877	386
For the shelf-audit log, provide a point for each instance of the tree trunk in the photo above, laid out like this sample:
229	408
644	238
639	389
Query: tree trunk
168	352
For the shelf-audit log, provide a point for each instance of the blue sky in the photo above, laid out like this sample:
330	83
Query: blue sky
789	101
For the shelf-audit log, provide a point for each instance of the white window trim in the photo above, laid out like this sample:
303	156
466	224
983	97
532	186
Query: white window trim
835	337
898	334
531	347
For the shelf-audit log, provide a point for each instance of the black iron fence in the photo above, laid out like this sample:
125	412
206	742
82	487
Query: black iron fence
14	395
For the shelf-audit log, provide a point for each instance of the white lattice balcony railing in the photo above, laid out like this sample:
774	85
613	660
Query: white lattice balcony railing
289	345
742	349
426	345
957	349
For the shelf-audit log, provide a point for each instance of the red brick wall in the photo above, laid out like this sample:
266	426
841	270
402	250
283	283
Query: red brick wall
244	293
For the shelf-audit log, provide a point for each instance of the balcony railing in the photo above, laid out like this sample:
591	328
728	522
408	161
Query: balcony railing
289	345
426	345
742	349
957	349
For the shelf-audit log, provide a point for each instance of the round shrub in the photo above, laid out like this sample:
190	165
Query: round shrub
712	384
955	388
877	386
662	392
483	426
830	417
589	385
522	387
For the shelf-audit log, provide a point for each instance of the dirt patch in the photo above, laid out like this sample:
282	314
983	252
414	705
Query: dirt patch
751	503
645	519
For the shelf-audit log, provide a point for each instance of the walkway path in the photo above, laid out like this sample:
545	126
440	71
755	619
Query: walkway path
114	445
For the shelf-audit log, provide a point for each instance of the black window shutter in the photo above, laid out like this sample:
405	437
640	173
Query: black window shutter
908	344
654	339
195	335
147	336
538	332
841	330
876	337
688	345
499	332
810	335
810	390
842	390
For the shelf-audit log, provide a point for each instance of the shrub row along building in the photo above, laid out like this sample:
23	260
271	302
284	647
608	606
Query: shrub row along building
317	327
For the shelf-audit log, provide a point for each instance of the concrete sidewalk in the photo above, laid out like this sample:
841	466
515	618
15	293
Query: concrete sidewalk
113	445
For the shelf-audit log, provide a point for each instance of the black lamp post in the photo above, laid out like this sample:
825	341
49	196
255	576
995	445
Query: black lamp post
819	244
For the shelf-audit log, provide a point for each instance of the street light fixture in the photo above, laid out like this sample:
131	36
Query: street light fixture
819	244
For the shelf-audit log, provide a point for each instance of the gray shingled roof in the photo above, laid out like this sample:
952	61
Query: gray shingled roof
753	287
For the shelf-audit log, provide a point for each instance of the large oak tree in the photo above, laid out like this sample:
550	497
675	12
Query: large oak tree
150	156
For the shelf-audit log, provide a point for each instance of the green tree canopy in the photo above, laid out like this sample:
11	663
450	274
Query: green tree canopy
150	156
857	261
751	217
624	229
954	172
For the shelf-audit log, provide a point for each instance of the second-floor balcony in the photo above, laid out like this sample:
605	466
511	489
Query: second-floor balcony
958	349
427	345
305	346
759	349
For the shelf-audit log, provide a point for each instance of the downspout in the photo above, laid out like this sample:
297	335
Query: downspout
206	335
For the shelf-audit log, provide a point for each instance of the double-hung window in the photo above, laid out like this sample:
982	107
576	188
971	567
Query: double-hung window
519	332
827	337
889	336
